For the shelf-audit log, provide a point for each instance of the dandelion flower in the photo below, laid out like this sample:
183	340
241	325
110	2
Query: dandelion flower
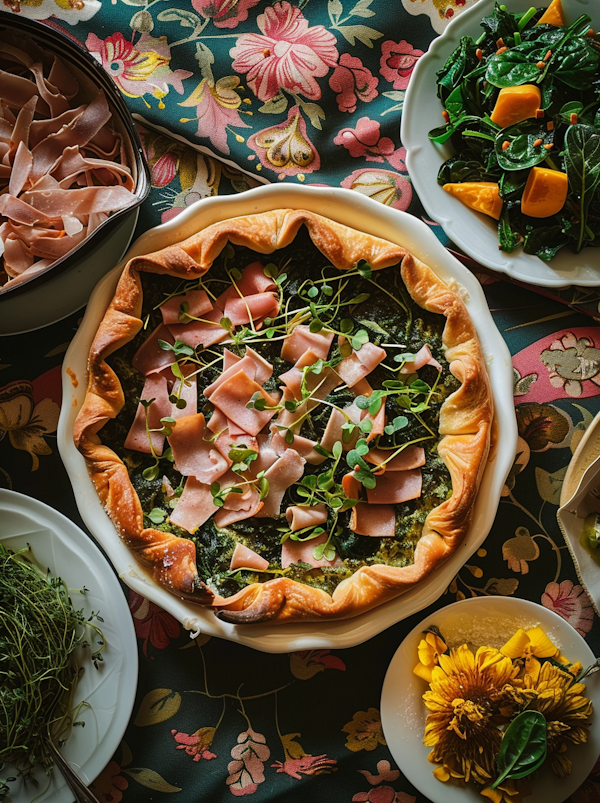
464	700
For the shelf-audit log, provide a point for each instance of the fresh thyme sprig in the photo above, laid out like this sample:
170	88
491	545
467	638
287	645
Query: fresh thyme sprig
41	632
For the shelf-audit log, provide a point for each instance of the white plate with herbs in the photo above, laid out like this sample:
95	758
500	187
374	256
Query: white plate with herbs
489	621
109	690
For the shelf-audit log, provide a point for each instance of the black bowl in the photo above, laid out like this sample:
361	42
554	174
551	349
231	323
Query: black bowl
91	77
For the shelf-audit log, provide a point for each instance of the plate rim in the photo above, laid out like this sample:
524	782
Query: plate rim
54	520
341	633
459	222
413	771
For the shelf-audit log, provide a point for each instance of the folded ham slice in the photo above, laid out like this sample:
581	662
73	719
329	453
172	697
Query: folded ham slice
360	363
194	455
411	457
394	487
254	280
232	396
378	521
422	357
299	517
198	304
302	339
150	358
245	558
194	507
287	470
240	508
138	439
205	333
242	310
296	551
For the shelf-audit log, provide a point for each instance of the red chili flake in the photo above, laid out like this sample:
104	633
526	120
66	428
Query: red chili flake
573	119
266	52
501	50
537	143
540	65
547	56
484	84
539	113
500	42
479	53
550	126
446	116
505	145
591	32
549	146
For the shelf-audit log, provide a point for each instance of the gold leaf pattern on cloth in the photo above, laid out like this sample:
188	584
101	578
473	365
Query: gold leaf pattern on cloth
286	147
365	731
25	423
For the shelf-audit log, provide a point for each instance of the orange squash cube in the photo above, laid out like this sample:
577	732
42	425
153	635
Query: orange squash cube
545	192
516	103
553	15
483	196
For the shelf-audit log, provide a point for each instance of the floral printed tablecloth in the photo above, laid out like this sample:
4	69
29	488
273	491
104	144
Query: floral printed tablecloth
303	92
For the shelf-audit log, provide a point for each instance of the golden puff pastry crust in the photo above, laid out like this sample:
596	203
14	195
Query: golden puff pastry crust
466	420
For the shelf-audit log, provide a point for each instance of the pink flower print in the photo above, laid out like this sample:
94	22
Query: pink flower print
353	82
306	664
383	186
110	785
138	70
365	140
384	773
224	13
288	55
398	61
164	170
397	159
246	770
572	603
306	765
286	148
217	107
152	623
382	794
196	744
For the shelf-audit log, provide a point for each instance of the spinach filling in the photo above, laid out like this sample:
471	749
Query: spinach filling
373	307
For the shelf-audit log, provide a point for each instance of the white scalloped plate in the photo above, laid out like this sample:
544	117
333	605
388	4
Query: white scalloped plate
476	234
362	213
403	713
69	553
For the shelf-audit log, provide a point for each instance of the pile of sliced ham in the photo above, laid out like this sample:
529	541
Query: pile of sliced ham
62	166
204	450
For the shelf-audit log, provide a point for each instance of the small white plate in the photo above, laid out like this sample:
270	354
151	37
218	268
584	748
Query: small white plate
476	234
352	209
69	553
403	713
68	290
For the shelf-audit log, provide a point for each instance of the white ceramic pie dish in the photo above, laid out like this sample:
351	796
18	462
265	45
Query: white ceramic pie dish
353	210
475	233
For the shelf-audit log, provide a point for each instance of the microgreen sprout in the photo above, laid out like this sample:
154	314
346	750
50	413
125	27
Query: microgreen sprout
241	457
151	473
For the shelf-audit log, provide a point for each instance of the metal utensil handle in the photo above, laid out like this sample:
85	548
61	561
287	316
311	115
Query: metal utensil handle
77	786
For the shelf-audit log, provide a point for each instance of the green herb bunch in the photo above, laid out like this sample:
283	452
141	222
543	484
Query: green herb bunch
564	62
40	634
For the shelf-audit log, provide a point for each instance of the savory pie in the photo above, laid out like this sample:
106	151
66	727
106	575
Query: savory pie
298	437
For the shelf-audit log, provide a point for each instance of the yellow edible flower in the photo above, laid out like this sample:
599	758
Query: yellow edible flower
529	645
429	650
